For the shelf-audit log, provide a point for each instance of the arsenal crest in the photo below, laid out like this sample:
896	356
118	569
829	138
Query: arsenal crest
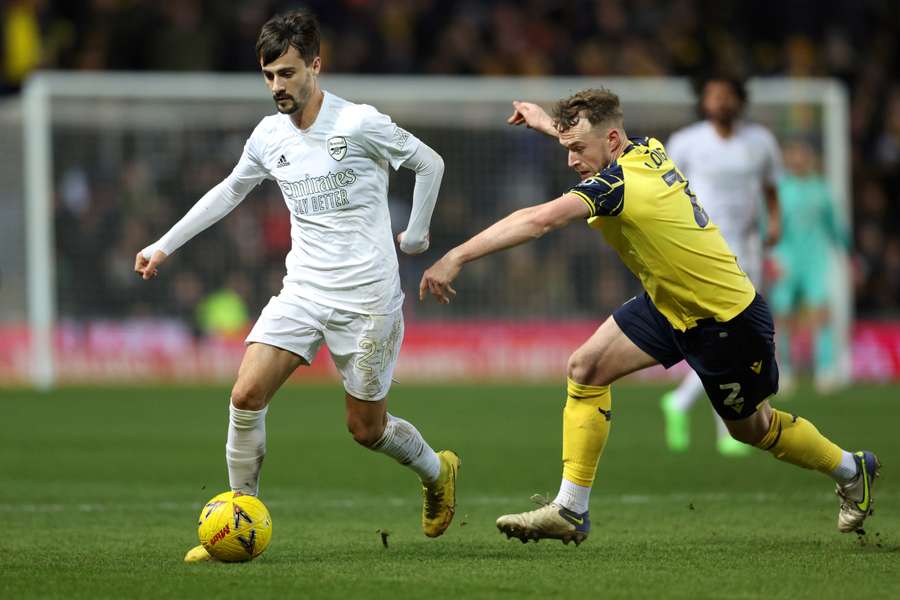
337	147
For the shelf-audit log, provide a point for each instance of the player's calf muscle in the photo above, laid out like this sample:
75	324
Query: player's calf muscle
364	432
752	429
365	420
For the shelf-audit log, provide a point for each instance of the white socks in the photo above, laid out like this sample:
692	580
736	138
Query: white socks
847	470
246	448
403	442
573	496
688	391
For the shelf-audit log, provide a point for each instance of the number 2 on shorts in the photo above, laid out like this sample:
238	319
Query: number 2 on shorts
733	400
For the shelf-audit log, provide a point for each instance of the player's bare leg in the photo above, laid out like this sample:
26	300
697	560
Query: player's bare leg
795	440
605	357
262	372
373	427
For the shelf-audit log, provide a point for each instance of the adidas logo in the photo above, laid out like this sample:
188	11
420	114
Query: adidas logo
282	161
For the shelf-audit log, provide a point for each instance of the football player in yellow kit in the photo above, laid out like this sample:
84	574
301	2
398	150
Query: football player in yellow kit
697	306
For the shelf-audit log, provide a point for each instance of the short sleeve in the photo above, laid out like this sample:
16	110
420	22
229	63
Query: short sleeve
604	193
383	139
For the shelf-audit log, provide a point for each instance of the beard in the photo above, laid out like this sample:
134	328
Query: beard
289	108
294	104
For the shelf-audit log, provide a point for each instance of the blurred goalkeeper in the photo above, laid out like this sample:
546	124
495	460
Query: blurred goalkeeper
813	232
698	306
330	157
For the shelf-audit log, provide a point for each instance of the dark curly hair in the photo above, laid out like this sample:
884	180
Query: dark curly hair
737	85
597	105
298	28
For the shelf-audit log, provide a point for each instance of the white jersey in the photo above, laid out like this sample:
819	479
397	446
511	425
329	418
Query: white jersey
334	179
728	175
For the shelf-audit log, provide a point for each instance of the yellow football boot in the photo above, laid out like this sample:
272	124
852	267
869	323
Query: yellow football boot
439	497
197	554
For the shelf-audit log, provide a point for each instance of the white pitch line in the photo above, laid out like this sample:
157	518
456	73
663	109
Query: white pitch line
398	501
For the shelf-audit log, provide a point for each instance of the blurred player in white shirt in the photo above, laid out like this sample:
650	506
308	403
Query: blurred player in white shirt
330	157
733	167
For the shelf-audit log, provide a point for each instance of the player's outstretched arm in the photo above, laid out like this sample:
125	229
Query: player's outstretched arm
533	116
519	227
429	168
214	205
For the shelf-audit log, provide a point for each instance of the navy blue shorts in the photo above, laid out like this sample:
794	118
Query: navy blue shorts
735	360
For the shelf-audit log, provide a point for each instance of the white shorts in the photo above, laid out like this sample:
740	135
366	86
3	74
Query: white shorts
364	348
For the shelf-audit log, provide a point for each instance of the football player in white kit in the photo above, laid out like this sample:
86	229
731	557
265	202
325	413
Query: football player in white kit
733	166
330	157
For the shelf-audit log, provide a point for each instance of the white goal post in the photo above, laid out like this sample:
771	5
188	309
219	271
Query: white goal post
444	100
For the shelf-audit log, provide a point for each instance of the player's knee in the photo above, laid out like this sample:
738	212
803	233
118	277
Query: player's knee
365	433
248	397
584	369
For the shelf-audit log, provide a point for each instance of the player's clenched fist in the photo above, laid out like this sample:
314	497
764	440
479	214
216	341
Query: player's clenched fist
437	280
148	267
412	246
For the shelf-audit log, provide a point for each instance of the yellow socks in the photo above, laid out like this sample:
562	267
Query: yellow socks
797	441
586	421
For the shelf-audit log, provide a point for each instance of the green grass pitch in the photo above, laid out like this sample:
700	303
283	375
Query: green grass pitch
100	490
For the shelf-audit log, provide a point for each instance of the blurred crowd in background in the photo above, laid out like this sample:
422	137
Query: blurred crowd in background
119	189
855	41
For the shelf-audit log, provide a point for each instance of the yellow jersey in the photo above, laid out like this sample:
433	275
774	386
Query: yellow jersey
645	209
